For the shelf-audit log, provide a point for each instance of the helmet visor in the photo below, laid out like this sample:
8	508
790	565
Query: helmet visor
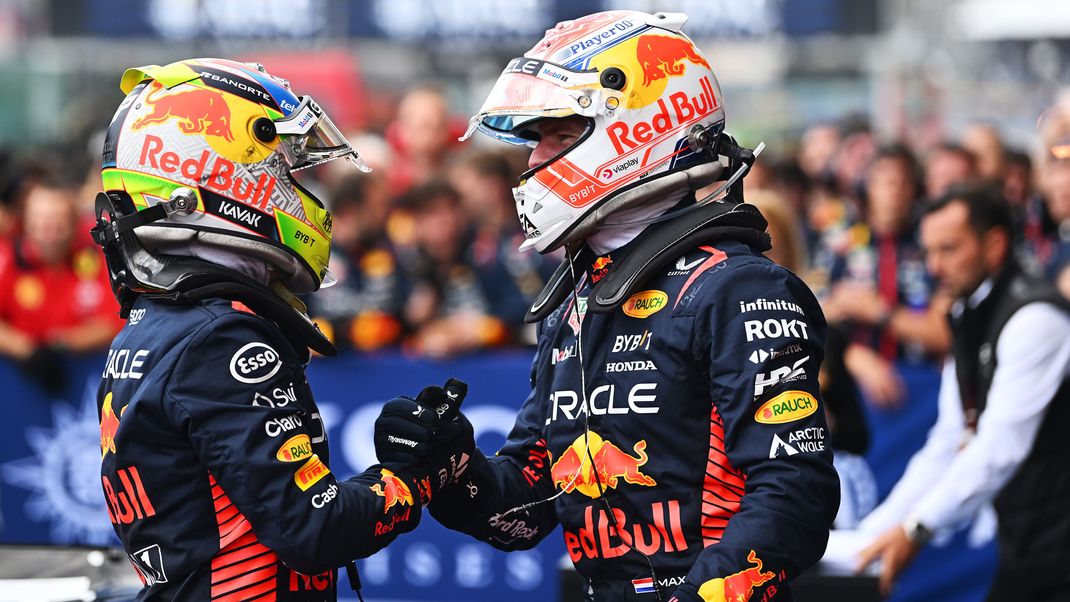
312	138
531	89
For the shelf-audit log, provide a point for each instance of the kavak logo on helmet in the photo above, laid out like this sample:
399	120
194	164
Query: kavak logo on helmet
646	303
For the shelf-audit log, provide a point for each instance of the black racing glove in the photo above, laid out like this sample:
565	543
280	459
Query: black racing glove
403	431
45	368
454	440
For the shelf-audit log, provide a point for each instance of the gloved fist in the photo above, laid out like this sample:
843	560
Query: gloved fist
403	431
454	440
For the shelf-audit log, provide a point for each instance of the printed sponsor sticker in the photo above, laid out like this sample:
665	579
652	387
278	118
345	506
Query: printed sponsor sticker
789	406
646	303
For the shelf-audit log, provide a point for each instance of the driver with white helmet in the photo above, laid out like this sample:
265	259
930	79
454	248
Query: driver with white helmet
675	429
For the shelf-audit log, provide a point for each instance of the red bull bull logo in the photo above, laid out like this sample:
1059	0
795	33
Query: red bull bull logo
109	424
663	56
573	471
393	489
198	111
737	587
601	536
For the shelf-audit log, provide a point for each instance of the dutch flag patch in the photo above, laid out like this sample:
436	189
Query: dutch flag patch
643	586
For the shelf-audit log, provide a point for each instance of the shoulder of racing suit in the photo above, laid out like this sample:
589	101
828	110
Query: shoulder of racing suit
652	252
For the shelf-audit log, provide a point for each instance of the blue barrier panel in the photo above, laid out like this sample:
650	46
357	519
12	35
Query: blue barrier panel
50	470
50	486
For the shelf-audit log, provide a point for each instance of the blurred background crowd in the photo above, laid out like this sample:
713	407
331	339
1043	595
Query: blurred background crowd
869	108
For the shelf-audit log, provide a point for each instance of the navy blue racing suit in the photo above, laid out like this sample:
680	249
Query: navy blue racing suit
703	466
215	466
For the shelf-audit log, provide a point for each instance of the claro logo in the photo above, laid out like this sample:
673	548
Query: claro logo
254	363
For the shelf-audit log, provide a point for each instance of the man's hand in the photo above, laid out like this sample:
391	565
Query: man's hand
859	302
876	377
454	440
427	435
403	431
895	551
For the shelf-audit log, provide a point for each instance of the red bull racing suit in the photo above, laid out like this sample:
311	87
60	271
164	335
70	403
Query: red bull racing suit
697	463
215	466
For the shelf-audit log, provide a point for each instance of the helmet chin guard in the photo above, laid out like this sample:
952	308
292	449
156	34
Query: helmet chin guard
134	271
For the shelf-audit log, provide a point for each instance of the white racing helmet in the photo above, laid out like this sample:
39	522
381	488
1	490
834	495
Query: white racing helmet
645	91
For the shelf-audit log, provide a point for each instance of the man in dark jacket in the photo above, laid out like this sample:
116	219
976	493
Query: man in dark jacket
214	457
675	428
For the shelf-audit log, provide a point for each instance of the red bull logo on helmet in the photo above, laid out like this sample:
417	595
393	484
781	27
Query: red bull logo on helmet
198	111
572	472
663	56
682	109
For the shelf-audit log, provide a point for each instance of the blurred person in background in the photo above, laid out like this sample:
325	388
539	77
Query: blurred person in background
818	146
484	181
653	433
451	307
1033	227
421	134
843	408
1056	179
363	309
11	185
986	144
1004	404
54	293
853	158
946	165
1018	187
879	288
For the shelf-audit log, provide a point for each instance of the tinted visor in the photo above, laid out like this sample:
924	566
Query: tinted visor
530	89
311	138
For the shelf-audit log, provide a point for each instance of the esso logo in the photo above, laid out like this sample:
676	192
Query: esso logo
322	499
255	363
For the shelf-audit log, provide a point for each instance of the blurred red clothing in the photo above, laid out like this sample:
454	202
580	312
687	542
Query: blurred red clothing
42	301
